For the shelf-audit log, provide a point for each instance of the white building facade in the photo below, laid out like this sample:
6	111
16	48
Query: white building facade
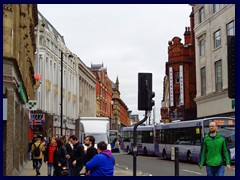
50	45
213	23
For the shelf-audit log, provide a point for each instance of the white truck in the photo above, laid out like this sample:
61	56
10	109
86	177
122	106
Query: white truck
98	127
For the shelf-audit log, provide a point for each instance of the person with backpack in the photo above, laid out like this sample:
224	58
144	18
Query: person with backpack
214	152
37	150
30	151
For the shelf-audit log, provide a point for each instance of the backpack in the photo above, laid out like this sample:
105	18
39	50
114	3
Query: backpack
36	151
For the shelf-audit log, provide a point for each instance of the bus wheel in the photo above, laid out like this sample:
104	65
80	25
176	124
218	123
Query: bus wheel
164	154
145	152
189	157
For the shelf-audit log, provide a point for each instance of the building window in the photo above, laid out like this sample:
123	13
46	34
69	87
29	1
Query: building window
201	15
203	81
177	77
202	47
217	39
230	29
216	8
218	75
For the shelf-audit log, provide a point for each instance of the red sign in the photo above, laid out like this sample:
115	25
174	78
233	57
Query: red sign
37	76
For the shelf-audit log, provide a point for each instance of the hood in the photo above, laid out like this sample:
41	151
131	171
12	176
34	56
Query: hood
106	152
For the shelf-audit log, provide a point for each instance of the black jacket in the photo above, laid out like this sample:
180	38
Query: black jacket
59	156
78	154
89	154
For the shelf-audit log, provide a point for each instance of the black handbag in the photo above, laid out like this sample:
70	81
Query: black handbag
64	171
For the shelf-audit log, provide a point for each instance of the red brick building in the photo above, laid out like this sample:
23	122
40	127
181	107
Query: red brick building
180	80
103	91
109	103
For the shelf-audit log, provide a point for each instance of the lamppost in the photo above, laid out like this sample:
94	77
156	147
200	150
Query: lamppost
61	125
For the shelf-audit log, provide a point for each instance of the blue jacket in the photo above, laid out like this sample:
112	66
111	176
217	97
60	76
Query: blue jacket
101	164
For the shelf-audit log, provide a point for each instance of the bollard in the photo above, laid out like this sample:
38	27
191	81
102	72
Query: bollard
176	161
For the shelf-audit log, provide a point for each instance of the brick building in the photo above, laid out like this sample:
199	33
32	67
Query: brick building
180	80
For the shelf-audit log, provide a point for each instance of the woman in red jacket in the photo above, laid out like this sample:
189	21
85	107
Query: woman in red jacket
48	158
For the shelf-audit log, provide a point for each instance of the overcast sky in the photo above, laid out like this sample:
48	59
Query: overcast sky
126	38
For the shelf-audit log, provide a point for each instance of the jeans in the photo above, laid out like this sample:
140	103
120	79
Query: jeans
37	164
70	167
50	167
215	170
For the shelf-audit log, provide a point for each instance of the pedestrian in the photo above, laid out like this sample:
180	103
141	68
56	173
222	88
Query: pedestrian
30	154
48	156
78	155
69	156
59	157
89	141
214	152
37	150
117	146
102	164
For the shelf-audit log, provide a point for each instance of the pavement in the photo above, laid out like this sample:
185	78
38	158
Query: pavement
29	171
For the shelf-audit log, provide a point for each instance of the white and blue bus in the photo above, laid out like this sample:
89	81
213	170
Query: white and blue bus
145	139
188	136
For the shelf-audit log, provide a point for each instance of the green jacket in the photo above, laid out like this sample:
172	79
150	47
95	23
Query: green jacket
214	151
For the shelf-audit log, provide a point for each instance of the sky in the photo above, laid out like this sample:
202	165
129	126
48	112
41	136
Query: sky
127	38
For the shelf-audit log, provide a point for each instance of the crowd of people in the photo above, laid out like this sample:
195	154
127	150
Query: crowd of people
68	158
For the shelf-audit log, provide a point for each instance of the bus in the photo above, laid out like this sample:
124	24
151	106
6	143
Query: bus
145	139
188	136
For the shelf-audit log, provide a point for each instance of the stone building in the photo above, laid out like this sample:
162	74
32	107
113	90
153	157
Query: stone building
19	22
212	24
120	116
78	84
180	80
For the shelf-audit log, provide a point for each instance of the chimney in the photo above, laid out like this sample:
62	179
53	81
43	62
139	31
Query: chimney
187	36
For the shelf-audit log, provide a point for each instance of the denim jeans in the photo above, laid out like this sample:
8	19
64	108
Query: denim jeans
70	166
215	170
50	167
37	164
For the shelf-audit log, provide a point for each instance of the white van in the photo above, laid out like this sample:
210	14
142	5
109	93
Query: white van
98	127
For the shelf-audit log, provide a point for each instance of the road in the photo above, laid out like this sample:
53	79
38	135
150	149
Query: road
155	166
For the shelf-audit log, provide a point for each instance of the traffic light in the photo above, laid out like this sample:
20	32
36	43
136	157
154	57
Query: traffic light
145	94
231	66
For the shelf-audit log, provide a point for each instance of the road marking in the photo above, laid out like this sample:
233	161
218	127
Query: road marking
194	172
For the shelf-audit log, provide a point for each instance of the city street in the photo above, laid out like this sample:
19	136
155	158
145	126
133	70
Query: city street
28	170
145	166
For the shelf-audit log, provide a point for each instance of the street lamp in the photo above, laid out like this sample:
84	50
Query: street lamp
61	125
61	93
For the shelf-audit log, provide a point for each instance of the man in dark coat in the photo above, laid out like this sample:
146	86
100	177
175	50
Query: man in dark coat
78	155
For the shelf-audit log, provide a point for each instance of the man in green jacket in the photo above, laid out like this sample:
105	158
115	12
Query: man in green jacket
214	152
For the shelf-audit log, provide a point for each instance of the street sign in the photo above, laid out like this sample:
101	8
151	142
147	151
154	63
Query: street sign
32	105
